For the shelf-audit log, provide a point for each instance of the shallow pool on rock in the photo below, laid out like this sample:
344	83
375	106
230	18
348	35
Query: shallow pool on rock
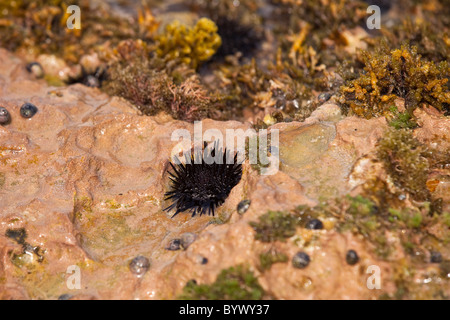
311	155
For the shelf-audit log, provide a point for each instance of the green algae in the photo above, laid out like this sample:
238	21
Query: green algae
267	259
404	159
275	225
235	283
402	120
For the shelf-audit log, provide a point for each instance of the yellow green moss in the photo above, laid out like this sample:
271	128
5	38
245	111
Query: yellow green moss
267	259
191	46
402	120
404	159
40	27
235	283
400	73
275	225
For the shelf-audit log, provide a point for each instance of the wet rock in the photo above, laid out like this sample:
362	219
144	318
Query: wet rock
36	69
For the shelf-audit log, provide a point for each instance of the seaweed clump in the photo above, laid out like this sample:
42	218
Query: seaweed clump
40	27
275	225
404	159
432	41
267	259
413	225
239	24
323	15
153	87
389	75
279	91
235	283
191	46
402	120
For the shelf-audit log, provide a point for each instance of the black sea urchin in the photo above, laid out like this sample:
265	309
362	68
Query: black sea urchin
204	186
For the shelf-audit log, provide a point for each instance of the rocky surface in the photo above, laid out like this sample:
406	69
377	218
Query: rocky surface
85	177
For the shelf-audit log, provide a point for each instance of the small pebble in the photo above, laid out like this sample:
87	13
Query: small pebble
187	239
202	260
436	257
91	81
28	110
243	206
139	265
352	257
174	244
300	260
5	117
324	97
314	224
36	69
65	296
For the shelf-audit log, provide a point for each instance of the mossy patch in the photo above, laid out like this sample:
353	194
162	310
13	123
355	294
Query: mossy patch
402	120
267	259
191	46
391	74
275	225
152	90
40	27
235	283
404	159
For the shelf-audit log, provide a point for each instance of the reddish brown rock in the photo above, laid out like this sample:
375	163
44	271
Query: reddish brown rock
86	178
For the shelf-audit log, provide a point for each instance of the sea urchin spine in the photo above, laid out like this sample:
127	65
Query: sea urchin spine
201	186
